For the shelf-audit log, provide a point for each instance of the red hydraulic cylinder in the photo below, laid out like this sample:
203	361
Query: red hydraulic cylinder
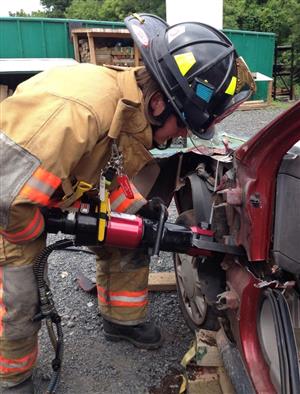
124	231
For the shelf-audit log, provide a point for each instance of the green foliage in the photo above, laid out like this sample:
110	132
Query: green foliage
117	10
233	11
56	8
84	9
113	10
275	16
281	17
22	13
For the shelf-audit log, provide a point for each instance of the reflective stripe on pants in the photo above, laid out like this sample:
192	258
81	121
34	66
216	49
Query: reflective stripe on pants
122	298
9	366
18	304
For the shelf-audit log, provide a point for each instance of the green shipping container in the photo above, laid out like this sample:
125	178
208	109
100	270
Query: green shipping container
42	37
51	38
257	49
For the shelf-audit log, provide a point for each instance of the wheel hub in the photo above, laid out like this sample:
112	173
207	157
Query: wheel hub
189	287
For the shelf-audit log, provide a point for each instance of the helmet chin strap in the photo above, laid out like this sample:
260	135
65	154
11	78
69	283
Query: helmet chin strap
159	122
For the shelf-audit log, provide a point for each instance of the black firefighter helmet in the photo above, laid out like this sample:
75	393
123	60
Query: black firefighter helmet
197	67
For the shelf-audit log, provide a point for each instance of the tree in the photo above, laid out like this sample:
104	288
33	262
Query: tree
281	17
22	13
117	10
56	8
233	10
84	9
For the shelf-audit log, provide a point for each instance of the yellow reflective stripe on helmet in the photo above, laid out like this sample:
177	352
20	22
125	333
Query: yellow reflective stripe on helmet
185	61
231	87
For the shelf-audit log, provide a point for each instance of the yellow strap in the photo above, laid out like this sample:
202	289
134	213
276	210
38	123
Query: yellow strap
79	189
189	355
183	386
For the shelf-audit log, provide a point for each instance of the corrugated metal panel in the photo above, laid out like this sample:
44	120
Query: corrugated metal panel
41	37
256	48
258	51
46	37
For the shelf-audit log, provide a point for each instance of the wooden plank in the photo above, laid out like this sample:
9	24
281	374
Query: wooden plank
76	47
162	281
112	34
255	104
270	90
250	102
102	31
136	56
92	48
207	353
3	92
252	107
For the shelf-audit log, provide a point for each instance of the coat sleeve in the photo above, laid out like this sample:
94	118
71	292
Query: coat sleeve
69	133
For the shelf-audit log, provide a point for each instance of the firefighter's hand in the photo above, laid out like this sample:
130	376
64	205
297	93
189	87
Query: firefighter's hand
153	208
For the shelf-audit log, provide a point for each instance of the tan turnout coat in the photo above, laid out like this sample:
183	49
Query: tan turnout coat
62	121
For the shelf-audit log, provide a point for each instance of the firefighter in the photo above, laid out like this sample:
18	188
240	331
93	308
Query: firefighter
57	131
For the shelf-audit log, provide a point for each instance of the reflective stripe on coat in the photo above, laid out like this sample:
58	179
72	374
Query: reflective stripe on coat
33	230
120	203
40	187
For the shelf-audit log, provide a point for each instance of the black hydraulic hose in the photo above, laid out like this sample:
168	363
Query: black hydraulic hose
160	228
41	260
48	311
57	361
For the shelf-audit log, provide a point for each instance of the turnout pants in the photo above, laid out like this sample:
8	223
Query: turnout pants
122	285
18	305
122	275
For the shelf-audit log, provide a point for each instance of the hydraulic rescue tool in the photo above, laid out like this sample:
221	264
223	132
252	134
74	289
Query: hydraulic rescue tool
93	227
92	224
235	244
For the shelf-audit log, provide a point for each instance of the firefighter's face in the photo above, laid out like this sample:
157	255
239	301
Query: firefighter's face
171	128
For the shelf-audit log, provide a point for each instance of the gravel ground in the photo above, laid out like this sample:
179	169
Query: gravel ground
91	364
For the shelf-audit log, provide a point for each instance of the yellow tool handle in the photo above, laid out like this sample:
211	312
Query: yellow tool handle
104	210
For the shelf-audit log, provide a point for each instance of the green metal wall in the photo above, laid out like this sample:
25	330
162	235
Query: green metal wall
41	37
258	51
45	37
